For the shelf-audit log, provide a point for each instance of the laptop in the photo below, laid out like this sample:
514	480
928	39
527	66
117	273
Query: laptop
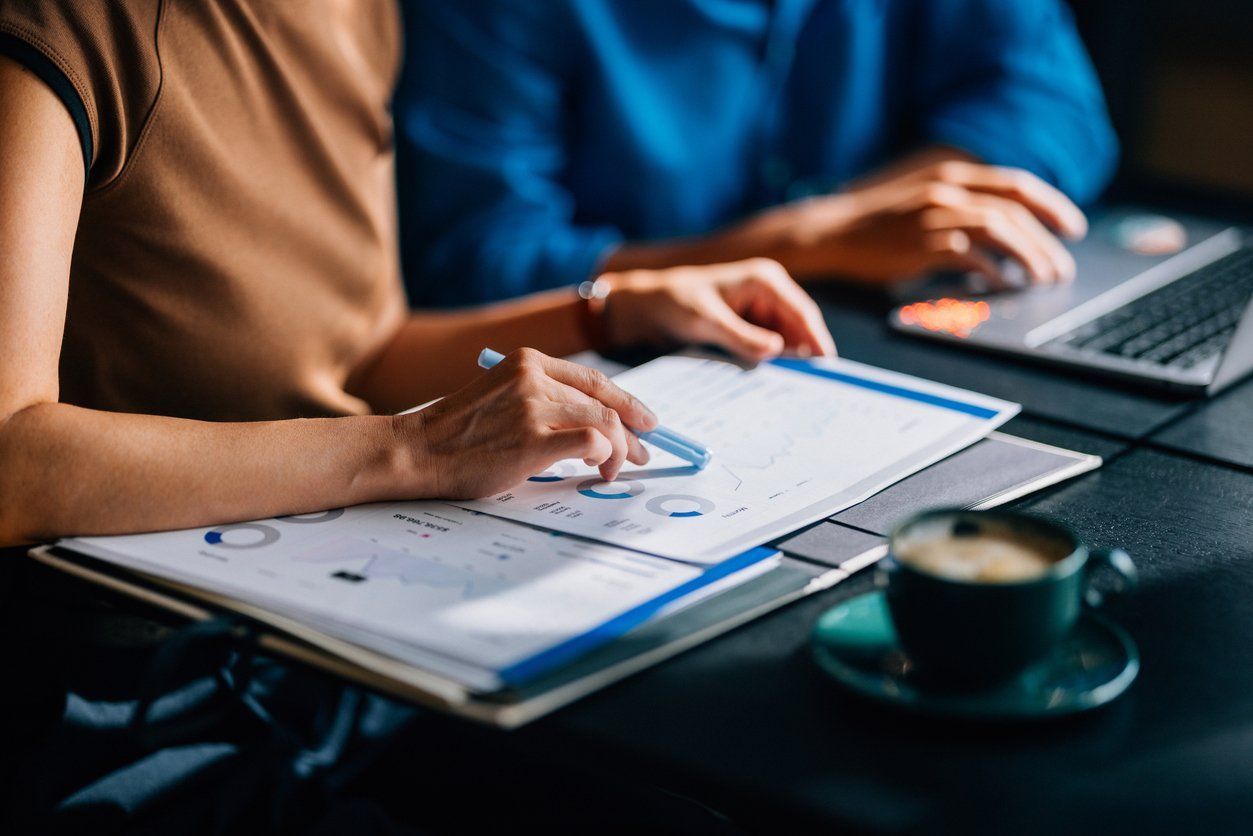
1161	301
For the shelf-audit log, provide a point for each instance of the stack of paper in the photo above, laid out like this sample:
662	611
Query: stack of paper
482	601
491	602
793	441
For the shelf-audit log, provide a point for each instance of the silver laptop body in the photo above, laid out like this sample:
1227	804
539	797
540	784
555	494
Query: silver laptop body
1071	324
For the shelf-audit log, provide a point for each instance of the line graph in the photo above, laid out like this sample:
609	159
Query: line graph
374	561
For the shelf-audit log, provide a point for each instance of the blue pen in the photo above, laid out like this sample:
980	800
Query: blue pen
661	438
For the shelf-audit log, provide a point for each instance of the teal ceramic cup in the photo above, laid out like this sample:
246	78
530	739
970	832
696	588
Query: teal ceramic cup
978	632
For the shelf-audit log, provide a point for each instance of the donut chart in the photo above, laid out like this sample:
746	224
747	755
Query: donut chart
679	505
555	473
619	489
217	536
318	517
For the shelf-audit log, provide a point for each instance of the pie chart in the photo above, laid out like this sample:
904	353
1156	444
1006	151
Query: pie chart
600	489
555	473
225	536
679	505
316	517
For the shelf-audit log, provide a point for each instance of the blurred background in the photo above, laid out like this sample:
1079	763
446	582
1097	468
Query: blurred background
1179	80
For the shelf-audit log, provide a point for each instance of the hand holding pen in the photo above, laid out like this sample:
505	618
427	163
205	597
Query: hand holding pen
529	412
660	437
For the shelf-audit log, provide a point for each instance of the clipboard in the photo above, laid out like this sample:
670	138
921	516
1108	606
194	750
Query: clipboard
814	559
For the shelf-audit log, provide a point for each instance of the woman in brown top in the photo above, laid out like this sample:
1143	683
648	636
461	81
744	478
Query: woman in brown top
201	318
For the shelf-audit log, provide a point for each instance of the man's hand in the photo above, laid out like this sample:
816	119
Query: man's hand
752	309
514	421
949	215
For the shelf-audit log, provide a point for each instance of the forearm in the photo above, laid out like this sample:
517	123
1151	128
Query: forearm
792	234
912	163
773	233
717	247
435	353
73	471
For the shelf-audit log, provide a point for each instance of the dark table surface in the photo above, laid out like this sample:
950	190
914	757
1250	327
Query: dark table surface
1220	430
747	725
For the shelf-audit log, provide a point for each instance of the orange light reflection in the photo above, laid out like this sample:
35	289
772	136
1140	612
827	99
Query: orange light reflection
958	317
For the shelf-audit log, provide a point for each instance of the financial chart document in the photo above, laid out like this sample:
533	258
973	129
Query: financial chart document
482	600
793	441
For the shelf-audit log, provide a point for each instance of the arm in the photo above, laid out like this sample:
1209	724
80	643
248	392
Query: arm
71	470
480	148
751	308
68	470
435	352
1004	89
1009	81
934	210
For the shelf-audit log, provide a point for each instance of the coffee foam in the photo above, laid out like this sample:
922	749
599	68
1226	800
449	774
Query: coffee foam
992	554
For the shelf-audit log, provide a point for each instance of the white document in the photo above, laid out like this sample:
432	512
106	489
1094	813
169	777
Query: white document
793	441
482	600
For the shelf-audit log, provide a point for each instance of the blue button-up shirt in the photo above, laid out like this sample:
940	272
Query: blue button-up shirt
535	135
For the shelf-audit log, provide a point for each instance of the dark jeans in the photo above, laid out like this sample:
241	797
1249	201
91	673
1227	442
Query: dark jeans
114	723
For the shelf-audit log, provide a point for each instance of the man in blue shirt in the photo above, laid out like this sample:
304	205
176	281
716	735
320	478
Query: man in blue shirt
543	142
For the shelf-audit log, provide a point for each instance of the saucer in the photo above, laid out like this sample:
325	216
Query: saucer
855	644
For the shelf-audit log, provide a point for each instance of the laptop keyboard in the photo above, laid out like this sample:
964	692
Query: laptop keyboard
1179	325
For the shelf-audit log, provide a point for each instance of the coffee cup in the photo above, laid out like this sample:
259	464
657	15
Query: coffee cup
977	596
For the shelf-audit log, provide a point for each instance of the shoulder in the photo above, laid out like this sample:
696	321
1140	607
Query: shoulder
101	58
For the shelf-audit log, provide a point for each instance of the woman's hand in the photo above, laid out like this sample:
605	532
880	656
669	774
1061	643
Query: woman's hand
751	308
515	420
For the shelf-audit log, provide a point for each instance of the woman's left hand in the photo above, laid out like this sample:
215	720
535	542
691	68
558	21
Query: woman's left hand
752	309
